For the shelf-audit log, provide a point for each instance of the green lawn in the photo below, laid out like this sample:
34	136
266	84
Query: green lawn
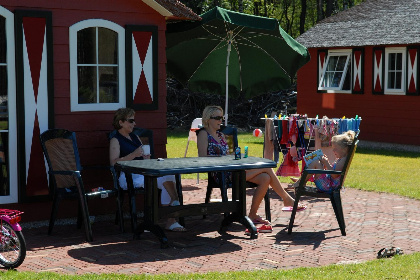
372	170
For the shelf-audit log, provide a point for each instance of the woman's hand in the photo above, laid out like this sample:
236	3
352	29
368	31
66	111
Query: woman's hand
138	152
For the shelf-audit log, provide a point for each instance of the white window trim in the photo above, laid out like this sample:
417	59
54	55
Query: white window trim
11	102
74	106
341	52
393	91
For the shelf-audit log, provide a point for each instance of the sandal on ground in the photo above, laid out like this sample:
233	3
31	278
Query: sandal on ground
294	179
260	221
300	207
265	229
389	252
261	229
176	227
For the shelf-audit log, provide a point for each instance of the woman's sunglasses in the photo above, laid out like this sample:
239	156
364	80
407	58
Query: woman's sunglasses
218	118
130	120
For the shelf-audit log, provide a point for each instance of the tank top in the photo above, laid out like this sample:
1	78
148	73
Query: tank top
128	146
217	148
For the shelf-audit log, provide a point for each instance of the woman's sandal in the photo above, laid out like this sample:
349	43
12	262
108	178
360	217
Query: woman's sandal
260	221
300	207
176	227
389	252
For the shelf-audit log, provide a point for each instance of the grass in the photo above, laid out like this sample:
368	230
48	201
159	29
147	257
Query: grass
371	170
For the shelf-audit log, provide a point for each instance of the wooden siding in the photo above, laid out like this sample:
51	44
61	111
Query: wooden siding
385	118
91	127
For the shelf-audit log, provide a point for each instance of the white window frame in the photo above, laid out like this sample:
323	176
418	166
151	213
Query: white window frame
11	103
74	91
341	52
393	91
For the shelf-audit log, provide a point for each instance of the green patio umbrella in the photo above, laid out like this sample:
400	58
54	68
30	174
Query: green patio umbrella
258	56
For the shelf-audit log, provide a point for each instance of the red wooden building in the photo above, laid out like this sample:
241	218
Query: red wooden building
71	64
365	62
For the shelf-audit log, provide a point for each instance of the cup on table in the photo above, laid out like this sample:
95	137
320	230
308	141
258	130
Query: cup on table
146	150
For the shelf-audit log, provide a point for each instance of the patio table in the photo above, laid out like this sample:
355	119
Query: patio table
153	168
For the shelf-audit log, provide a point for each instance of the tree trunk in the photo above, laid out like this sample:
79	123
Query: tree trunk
302	17
241	6
329	9
320	9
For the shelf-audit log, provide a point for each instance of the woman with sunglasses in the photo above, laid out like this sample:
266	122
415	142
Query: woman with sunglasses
124	146
211	142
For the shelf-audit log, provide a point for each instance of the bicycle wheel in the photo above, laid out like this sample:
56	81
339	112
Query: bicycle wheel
12	246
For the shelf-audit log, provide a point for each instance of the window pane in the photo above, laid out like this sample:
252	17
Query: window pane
107	46
86	46
108	84
3	82
87	84
347	79
398	76
391	80
2	40
399	61
391	64
341	63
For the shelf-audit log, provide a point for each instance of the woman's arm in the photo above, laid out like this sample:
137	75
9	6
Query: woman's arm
114	152
202	143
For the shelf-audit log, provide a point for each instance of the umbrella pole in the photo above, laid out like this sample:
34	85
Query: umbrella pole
230	34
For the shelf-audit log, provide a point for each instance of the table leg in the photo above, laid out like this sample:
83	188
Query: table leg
151	214
131	200
239	194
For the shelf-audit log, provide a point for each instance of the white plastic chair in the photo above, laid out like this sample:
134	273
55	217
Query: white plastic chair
192	136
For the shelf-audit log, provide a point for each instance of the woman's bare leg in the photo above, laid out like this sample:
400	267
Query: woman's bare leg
262	180
170	188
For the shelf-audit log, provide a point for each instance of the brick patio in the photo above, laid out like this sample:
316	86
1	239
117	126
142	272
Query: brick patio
374	220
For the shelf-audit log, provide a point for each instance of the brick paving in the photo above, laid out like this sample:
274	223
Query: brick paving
374	220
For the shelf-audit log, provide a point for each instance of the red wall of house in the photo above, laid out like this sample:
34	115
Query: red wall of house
385	118
91	127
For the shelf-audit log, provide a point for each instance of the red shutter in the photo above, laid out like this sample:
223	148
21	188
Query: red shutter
34	98
322	59
141	66
413	70
358	73
378	70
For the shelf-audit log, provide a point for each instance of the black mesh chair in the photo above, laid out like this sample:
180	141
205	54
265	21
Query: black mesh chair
231	135
65	170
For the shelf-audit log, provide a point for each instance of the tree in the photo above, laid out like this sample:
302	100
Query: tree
302	16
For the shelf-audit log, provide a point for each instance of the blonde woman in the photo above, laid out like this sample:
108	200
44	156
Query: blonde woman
210	142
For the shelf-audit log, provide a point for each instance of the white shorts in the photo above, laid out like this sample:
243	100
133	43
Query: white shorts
138	182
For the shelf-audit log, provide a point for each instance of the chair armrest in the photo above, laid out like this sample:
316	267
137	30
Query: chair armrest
321	171
63	172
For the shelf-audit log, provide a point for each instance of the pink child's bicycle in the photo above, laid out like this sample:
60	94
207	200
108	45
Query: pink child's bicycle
12	242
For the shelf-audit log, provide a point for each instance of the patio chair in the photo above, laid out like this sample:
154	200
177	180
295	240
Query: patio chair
65	173
334	196
146	137
231	135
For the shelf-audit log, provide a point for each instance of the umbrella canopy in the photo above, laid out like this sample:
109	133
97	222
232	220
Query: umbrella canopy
258	56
